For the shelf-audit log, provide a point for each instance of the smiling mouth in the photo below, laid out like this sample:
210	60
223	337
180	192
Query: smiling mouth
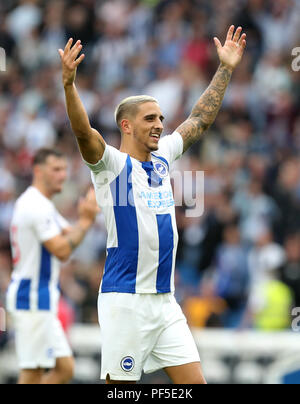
155	136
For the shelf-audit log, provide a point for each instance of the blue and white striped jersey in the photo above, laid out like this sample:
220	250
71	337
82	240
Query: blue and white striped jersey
137	201
35	277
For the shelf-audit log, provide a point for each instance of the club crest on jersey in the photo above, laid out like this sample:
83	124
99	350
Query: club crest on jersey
161	169
127	363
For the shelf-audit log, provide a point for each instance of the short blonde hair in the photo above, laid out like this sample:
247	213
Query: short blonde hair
130	105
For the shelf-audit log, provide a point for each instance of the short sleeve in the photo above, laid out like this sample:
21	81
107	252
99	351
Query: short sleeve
47	224
62	222
112	160
171	147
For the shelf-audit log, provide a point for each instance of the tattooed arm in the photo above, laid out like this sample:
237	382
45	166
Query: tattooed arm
205	111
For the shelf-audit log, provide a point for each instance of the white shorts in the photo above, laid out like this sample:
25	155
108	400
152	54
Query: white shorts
142	332
40	340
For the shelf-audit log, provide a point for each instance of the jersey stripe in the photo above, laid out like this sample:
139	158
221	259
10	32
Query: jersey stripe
45	276
23	300
166	246
154	180
122	261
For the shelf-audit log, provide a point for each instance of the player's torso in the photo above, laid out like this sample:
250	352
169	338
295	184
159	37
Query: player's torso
154	201
35	270
142	233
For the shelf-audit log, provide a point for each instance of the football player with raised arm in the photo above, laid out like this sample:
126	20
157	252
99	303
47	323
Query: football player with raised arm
143	328
41	238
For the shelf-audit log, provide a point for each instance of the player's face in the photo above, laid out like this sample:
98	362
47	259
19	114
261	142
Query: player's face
54	173
148	126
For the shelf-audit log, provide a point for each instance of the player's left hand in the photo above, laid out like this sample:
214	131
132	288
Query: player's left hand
88	207
232	52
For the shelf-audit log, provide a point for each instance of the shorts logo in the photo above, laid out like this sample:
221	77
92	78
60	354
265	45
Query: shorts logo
127	363
50	353
161	169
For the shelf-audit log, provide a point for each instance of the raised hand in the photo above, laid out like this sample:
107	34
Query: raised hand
232	52
70	61
88	207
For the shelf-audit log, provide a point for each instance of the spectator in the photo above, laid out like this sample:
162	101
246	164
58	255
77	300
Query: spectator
206	309
256	210
285	194
290	271
24	18
265	257
274	302
232	276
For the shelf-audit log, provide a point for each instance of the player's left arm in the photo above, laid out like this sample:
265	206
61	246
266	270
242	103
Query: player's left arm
205	111
66	231
63	245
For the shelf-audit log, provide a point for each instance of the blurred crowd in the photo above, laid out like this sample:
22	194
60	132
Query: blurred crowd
238	264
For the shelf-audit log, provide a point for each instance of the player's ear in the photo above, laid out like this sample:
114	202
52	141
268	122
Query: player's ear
126	126
37	169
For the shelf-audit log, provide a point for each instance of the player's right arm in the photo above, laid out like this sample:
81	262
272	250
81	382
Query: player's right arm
63	245
90	142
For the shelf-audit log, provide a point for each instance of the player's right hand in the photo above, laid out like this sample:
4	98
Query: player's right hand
88	208
70	61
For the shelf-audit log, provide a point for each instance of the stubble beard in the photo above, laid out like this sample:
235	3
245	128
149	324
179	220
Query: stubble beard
149	148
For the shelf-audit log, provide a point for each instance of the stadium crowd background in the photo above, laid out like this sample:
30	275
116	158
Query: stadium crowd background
239	264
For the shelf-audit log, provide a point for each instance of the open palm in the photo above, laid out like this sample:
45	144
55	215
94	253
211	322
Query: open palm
232	52
70	61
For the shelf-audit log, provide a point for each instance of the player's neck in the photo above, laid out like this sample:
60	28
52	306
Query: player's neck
42	189
139	155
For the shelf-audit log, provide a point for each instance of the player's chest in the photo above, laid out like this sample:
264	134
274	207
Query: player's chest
151	186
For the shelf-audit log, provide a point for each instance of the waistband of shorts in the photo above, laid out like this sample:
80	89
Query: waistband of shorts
137	294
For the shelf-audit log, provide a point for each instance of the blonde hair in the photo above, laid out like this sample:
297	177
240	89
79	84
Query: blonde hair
130	105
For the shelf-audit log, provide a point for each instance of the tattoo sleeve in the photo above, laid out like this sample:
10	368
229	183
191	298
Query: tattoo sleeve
205	111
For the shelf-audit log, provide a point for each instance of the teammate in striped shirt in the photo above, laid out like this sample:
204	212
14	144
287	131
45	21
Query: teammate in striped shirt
40	239
143	328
